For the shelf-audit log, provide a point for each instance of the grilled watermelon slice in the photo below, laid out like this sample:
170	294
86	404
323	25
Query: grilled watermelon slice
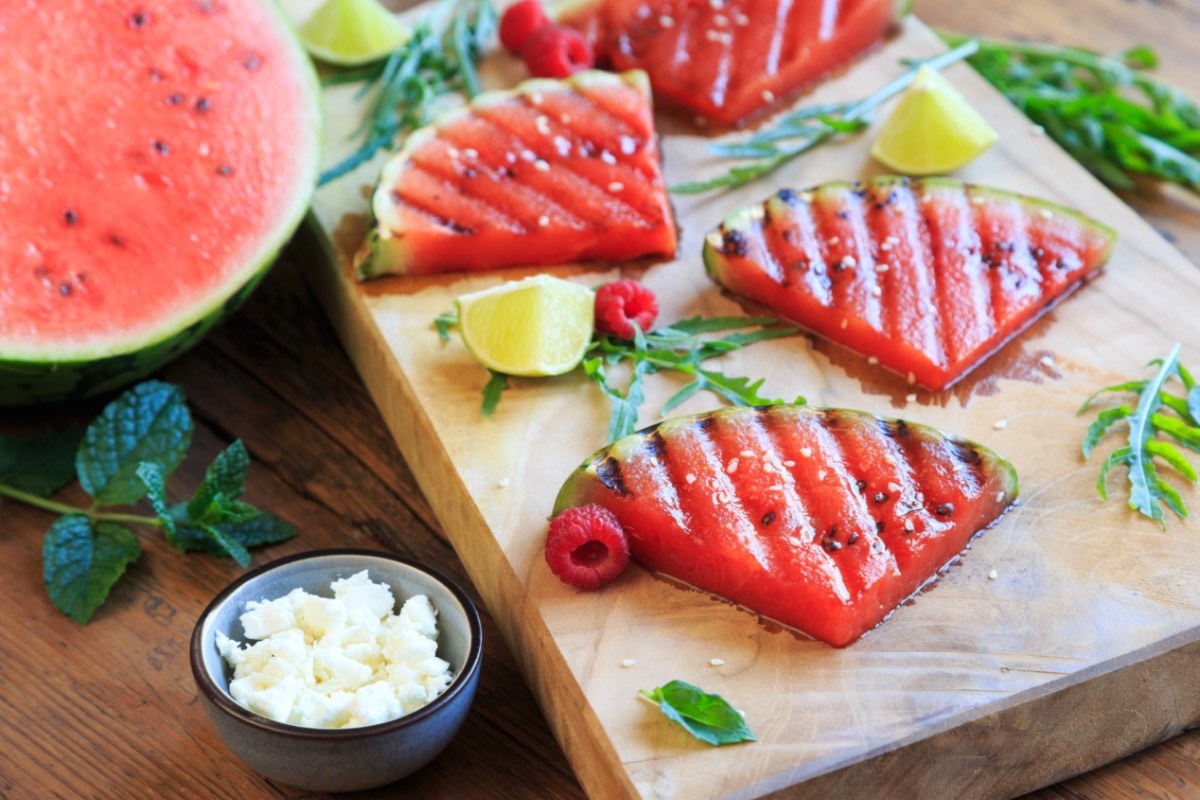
548	173
730	59
929	276
824	520
155	157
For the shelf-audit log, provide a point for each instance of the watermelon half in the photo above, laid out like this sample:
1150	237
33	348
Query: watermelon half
550	172
822	519
927	276
155	156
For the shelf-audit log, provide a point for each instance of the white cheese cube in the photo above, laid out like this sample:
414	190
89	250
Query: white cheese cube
359	590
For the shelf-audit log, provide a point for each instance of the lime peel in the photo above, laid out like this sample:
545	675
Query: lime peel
932	130
352	32
533	327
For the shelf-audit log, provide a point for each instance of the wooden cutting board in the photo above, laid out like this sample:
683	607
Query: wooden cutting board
1082	648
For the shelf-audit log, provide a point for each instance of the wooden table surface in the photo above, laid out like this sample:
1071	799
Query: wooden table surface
110	710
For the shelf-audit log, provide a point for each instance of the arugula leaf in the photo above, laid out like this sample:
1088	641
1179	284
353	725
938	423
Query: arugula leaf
443	322
150	422
1153	416
82	560
439	57
1108	113
41	464
830	120
708	717
492	390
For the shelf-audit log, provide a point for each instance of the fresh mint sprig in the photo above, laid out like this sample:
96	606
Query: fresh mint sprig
125	455
708	717
1158	412
1109	113
437	59
801	131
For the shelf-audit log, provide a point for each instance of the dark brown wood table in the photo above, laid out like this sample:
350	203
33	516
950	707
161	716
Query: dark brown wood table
109	710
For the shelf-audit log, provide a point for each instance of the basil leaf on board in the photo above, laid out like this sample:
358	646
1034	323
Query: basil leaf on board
706	716
41	464
150	422
82	561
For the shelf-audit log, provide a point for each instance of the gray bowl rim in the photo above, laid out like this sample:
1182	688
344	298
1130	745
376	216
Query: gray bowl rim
228	705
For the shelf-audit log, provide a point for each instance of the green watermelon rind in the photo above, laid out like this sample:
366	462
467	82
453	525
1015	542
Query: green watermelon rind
579	485
384	253
52	376
745	219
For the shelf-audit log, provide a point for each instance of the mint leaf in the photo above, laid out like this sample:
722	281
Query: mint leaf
40	464
156	492
227	543
150	422
82	561
708	717
258	531
223	484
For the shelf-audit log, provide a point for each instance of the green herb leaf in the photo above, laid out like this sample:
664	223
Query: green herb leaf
41	464
830	120
708	717
492	390
225	543
150	422
443	323
258	531
82	561
1155	414
151	475
223	484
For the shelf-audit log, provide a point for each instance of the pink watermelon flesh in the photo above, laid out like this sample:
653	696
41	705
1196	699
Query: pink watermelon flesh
824	520
928	276
731	59
154	156
549	173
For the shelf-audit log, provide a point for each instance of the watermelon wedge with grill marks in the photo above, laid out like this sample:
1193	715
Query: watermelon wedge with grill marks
731	59
550	172
822	519
155	155
928	276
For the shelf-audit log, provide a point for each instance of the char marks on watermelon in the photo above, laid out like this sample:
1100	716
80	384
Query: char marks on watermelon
549	173
825	520
730	59
928	276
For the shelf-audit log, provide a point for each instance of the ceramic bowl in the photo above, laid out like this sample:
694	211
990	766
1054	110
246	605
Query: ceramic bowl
352	758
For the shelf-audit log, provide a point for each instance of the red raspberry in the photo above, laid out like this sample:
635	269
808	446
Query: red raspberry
622	303
556	52
586	546
519	22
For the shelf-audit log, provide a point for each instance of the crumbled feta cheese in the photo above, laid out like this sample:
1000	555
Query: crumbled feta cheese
336	662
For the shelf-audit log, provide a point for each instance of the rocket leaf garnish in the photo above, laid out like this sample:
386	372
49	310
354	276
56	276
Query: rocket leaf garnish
1159	417
437	59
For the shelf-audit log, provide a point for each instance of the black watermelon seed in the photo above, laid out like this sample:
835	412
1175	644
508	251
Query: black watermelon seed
853	538
138	19
768	518
252	62
469	172
203	105
860	484
787	196
706	423
879	526
966	454
843	214
161	147
945	509
115	239
609	473
64	289
655	444
224	169
880	497
155	75
174	99
70	217
831	545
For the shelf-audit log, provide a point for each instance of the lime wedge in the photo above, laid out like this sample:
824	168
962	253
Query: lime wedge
932	130
349	32
537	326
